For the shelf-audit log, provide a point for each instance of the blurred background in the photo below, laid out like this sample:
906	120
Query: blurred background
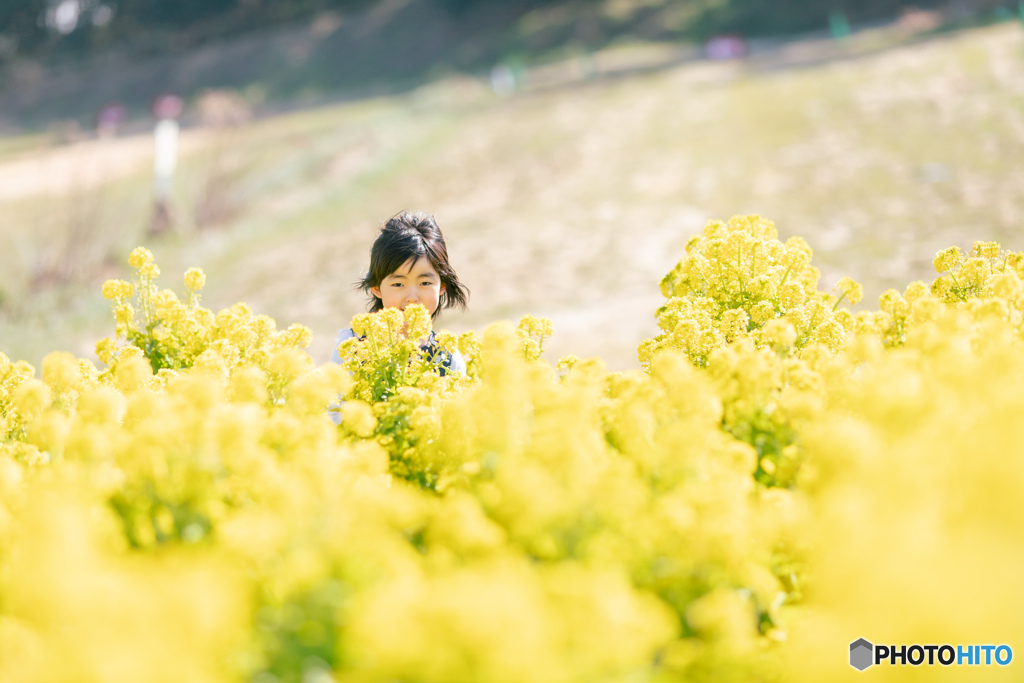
568	148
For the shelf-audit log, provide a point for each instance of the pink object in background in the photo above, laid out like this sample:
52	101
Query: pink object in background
725	47
167	107
110	118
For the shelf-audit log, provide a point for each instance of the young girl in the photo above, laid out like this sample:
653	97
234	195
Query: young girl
409	265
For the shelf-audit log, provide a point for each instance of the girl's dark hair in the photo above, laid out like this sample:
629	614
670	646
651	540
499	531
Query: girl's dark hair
408	236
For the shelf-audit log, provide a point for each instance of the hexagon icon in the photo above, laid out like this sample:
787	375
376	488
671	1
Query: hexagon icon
861	654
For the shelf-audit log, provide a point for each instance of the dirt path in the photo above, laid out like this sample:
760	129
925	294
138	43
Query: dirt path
83	165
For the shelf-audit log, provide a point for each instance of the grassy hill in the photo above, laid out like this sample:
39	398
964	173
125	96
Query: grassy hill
570	198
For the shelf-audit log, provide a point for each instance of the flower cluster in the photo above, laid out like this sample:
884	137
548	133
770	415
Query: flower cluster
778	474
987	285
172	334
739	281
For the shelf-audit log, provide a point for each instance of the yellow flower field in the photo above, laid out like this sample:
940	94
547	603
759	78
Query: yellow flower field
781	477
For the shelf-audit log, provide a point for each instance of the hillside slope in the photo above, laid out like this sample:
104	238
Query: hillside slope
569	200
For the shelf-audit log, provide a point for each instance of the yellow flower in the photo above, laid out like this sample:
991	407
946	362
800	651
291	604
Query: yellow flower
714	230
988	250
61	369
781	333
926	308
791	295
947	259
556	499
106	350
760	285
31	397
295	335
195	279
124	314
117	290
892	302
1007	285
797	243
417	321
535	327
358	418
762	312
289	363
915	290
850	290
831	334
248	384
734	323
565	365
1015	260
140	257
133	372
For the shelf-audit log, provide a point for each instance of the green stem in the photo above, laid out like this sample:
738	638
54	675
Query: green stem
956	287
706	283
753	261
739	266
778	287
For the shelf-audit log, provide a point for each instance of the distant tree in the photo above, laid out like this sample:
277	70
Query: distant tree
460	7
19	20
773	17
156	25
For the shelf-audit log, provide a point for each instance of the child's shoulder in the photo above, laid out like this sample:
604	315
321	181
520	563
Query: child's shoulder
341	336
457	363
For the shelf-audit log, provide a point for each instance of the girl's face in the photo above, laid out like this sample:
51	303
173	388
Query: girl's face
415	282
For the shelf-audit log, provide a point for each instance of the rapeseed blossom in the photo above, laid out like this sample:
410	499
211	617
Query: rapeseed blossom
778	473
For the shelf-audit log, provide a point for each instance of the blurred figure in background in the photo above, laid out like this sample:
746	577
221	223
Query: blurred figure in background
166	109
109	119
